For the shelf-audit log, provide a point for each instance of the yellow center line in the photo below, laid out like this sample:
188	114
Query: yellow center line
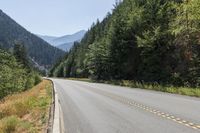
130	102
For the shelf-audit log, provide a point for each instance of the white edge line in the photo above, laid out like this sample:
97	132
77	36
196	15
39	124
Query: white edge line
56	121
61	120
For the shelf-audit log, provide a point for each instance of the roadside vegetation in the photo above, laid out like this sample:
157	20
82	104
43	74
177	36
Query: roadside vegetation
188	91
142	43
16	75
26	112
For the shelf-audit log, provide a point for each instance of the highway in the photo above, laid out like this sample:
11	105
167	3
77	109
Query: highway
101	108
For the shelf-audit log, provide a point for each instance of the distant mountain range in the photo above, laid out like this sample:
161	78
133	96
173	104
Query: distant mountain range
38	50
64	42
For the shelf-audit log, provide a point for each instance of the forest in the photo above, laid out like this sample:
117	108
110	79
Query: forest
153	41
16	73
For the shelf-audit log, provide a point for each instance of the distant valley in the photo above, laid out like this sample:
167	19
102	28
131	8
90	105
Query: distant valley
64	42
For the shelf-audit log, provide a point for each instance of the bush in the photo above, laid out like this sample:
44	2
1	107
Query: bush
37	79
30	81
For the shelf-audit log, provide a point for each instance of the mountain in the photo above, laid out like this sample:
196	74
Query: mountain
66	46
64	42
38	50
48	39
69	38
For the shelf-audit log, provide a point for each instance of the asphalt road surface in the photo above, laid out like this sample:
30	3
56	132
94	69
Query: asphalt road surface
101	108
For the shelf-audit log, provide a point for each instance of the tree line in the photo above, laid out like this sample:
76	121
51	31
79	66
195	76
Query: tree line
141	40
16	73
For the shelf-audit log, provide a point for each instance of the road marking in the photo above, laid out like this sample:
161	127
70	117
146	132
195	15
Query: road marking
130	102
61	120
180	122
191	124
194	127
172	117
167	115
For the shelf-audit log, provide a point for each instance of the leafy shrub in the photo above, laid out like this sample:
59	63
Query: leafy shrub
37	79
30	81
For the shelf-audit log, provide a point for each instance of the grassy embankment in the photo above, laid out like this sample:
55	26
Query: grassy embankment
26	112
195	92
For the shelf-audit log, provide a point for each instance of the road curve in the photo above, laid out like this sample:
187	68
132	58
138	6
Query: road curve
100	108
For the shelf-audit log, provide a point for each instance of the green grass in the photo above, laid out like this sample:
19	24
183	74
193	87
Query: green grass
195	92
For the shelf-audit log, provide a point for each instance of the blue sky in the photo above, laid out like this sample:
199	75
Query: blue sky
56	17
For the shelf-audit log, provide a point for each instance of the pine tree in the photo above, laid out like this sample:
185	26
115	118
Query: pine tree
20	54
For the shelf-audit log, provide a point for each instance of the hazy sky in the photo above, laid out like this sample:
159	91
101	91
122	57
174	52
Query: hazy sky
56	17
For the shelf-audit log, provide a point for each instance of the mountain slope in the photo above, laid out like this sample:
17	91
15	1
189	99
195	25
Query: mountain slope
39	50
66	46
48	39
64	42
69	38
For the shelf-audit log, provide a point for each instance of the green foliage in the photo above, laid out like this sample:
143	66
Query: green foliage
142	40
188	17
11	75
15	77
37	78
97	58
20	54
30	82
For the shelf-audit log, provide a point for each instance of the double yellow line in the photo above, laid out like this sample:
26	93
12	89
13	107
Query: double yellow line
132	103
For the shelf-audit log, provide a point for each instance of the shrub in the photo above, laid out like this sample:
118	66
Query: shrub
30	81
37	79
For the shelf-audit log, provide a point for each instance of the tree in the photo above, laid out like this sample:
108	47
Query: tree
20	54
188	16
142	40
186	28
12	75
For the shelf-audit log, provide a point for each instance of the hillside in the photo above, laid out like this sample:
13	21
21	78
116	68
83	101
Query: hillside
69	38
66	46
39	50
48	39
151	41
64	42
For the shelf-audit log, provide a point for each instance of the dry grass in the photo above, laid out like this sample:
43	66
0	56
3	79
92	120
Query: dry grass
26	112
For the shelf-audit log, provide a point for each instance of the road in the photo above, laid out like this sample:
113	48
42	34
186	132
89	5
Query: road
101	108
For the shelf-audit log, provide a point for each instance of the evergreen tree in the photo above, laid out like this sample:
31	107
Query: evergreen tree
142	40
20	54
